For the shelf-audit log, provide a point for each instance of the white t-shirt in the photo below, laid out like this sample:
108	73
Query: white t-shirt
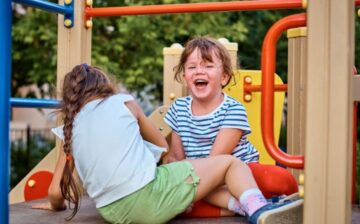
111	157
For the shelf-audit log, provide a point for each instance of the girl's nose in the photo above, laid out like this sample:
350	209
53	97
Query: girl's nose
200	69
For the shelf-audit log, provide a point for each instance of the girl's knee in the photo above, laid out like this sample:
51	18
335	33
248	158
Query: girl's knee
228	158
232	160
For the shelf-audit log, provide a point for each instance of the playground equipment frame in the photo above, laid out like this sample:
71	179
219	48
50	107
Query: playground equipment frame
67	9
5	80
194	7
317	210
268	57
34	103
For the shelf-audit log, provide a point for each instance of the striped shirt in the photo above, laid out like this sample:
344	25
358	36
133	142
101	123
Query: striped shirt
198	133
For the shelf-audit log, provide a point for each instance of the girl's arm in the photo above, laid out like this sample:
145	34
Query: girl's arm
56	201
147	129
176	152
226	141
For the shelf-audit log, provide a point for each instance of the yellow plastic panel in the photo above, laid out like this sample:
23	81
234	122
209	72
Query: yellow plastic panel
253	109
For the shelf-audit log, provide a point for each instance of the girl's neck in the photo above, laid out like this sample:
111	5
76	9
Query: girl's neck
199	107
91	98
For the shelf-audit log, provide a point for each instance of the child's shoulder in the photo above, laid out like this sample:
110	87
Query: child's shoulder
182	101
230	101
124	97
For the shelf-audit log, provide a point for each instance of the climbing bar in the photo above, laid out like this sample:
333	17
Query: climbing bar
5	83
268	57
193	7
67	10
249	88
47	6
257	88
34	103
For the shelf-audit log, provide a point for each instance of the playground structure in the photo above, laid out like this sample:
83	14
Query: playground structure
324	116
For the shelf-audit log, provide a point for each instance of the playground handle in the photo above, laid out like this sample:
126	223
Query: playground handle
193	7
267	98
34	103
48	6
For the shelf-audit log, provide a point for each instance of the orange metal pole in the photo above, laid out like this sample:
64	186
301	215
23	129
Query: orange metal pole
193	7
268	58
257	88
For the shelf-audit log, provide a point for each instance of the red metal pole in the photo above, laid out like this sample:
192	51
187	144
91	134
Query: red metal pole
268	58
193	7
354	152
354	147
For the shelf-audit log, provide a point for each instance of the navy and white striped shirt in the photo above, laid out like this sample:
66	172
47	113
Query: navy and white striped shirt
198	133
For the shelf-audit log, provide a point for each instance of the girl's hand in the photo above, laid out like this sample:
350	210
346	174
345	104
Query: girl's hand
168	158
47	206
189	208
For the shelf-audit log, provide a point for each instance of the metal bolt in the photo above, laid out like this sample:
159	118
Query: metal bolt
248	98
304	4
67	22
172	96
31	183
301	179
89	2
301	191
248	79
88	23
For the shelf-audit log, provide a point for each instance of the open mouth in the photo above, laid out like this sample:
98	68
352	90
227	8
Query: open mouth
200	83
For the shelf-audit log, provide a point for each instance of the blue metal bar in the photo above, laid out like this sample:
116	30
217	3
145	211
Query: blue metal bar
38	103
5	85
48	6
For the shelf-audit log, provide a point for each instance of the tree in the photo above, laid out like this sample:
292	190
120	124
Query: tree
34	37
130	47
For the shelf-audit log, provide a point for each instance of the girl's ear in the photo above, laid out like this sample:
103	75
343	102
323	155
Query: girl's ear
183	79
225	79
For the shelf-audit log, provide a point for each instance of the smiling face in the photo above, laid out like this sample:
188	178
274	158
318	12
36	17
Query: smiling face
205	77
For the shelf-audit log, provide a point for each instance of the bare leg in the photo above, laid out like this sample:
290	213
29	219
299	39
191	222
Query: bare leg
226	169
223	169
219	197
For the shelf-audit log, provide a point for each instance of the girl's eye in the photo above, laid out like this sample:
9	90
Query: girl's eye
209	66
191	67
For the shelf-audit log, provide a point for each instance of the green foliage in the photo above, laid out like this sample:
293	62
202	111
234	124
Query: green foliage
34	51
130	47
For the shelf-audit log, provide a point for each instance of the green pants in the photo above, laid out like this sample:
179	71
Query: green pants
168	195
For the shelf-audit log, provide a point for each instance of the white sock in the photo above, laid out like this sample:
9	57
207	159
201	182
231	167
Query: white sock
234	206
252	200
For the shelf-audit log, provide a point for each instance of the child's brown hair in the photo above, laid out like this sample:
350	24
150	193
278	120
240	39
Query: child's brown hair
81	85
206	46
